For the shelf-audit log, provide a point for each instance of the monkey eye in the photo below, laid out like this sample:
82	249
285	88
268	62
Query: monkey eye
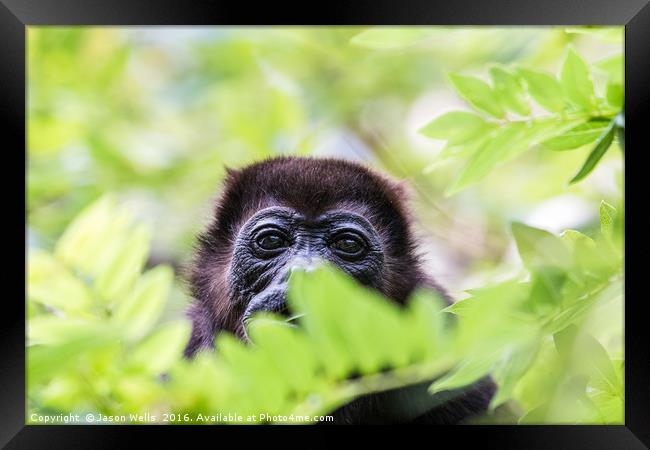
271	241
348	245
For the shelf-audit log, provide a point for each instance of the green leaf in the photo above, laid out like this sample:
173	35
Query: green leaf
607	217
67	343
456	127
89	238
588	357
321	315
142	308
509	90
478	93
53	330
578	136
610	407
544	88
384	38
464	150
595	260
602	145
162	348
581	306
472	369
101	243
123	263
504	144
568	404
546	290
538	248
264	387
515	362
576	81
606	34
50	283
613	67
288	350
501	145
615	94
490	318
428	325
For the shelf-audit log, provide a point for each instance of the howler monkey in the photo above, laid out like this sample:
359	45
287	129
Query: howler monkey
290	212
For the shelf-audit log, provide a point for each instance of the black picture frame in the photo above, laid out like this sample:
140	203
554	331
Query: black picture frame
16	15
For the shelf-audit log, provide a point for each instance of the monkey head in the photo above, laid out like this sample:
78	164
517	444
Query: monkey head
289	213
286	214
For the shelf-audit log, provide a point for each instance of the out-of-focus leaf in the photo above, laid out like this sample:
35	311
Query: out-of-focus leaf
538	248
470	370
574	237
603	143
576	81
162	348
478	93
610	407
464	150
261	380
88	239
516	360
382	38
578	136
504	144
607	398
319	310
612	66
123	264
142	308
491	318
588	356
430	333
544	88
567	404
45	361
48	135
607	34
509	90
456	127
546	290
287	349
615	94
607	217
50	283
575	312
597	258
54	330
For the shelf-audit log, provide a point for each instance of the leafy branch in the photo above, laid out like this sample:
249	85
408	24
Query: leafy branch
504	125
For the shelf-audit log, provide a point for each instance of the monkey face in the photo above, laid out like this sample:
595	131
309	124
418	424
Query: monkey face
277	241
286	214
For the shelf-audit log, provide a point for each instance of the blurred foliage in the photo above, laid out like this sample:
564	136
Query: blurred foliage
93	343
153	117
579	117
